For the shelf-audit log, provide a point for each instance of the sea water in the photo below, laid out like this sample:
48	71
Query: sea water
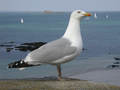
101	38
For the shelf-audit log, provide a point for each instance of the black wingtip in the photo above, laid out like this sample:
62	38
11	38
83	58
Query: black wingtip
19	64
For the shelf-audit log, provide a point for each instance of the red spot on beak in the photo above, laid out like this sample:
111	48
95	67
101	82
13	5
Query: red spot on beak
87	14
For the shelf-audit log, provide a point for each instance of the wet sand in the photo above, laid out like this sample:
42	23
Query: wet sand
108	76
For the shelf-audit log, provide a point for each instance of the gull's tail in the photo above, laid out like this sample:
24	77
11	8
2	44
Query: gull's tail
19	64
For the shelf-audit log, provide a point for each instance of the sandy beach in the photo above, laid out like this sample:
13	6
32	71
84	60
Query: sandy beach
52	84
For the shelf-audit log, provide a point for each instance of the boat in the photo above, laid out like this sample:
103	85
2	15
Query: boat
21	20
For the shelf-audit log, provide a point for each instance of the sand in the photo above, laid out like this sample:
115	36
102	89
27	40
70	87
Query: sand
54	84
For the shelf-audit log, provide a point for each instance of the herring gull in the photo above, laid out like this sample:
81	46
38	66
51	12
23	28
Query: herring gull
58	51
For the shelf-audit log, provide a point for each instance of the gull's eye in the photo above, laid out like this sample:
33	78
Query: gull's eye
78	12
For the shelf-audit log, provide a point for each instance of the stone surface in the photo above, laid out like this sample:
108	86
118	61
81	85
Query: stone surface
53	84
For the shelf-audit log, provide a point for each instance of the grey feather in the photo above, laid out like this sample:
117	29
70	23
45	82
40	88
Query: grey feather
52	51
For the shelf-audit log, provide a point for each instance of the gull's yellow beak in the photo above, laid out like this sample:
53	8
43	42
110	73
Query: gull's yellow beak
87	14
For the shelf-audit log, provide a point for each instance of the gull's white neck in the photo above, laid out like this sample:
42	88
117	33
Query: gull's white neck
73	33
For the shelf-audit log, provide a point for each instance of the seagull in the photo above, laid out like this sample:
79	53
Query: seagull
59	51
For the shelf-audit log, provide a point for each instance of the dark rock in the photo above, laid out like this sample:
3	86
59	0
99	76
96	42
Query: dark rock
116	63
22	47
35	43
9	49
29	46
113	66
116	58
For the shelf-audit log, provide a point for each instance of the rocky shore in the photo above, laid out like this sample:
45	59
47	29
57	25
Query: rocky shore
30	46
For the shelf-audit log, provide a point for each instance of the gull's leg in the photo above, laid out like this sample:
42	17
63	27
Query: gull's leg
59	71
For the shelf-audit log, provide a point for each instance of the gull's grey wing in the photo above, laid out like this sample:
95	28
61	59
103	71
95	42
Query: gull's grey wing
52	51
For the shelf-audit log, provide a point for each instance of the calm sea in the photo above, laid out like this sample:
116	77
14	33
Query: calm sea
101	37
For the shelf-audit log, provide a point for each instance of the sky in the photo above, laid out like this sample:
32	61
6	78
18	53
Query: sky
59	5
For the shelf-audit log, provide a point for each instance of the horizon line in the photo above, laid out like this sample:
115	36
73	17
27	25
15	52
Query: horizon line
53	11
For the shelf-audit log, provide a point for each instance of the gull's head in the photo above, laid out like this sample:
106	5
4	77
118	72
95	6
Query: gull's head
78	14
